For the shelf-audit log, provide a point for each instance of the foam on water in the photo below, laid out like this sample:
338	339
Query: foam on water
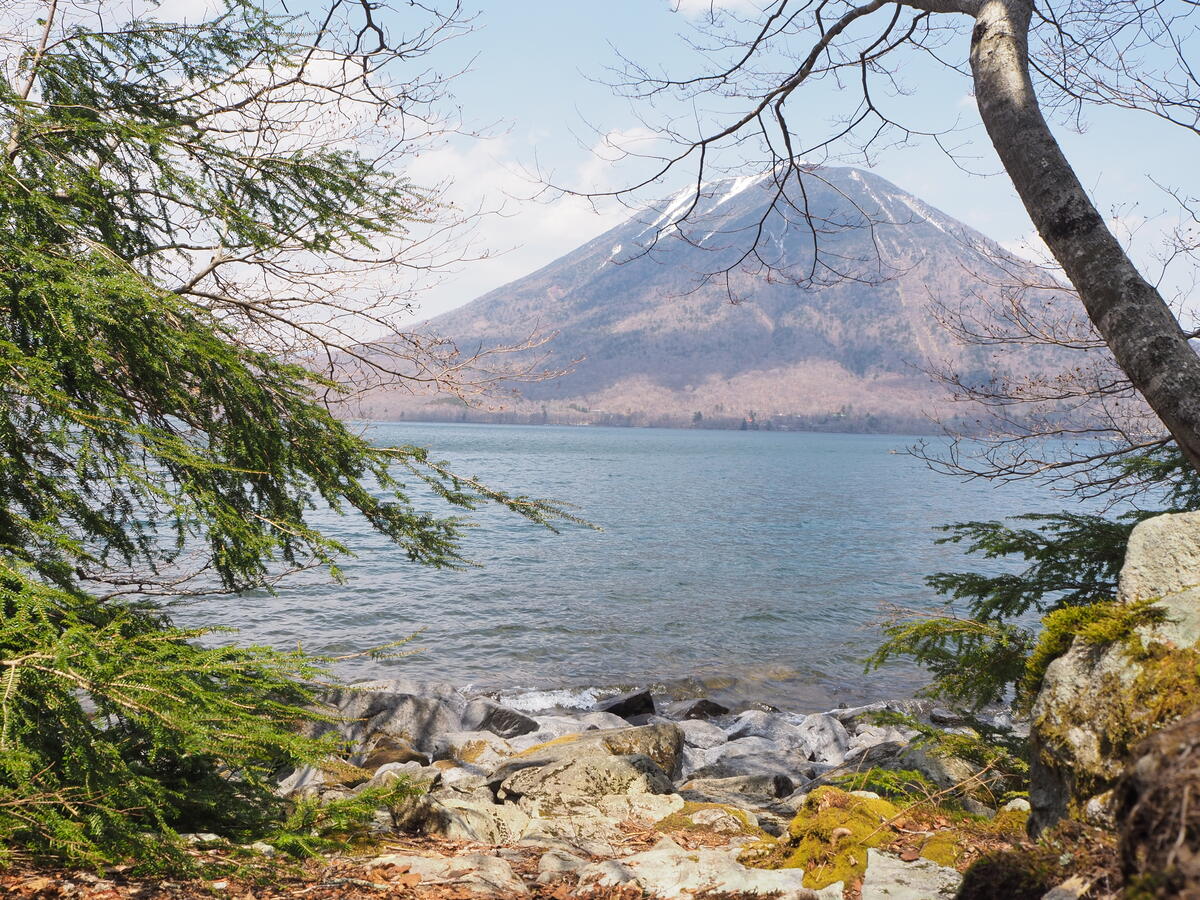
544	701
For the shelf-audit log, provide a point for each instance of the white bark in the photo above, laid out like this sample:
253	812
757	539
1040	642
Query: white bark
1130	314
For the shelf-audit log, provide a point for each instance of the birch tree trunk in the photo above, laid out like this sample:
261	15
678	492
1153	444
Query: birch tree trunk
1130	314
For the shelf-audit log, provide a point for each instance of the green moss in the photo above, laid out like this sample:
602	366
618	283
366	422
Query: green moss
943	848
1162	685
682	820
830	836
1096	624
899	784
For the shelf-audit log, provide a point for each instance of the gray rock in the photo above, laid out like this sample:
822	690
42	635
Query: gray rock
867	736
1017	804
669	871
939	716
702	734
553	727
740	790
482	714
475	871
882	756
639	703
419	720
302	781
890	878
477	820
825	737
1161	558
562	784
481	750
1087	692
555	865
755	756
699	709
944	771
755	723
413	771
662	743
597	836
385	748
413	712
853	715
357	699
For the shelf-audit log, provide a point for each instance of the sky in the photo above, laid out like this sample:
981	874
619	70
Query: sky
534	90
535	84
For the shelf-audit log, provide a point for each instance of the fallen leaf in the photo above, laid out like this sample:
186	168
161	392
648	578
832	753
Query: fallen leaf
908	854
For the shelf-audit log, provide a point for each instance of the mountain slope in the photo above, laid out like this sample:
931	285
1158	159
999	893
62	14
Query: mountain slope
657	343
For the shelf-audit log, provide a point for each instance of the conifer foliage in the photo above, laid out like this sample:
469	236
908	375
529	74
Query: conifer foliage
176	204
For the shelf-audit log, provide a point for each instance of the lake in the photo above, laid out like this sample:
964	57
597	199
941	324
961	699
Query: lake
752	567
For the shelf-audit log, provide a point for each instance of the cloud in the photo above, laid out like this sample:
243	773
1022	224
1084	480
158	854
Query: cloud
521	226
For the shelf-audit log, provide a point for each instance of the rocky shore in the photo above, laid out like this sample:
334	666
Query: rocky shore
674	799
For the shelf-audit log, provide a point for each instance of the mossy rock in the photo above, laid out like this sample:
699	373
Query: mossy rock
1080	749
539	749
830	836
746	825
831	833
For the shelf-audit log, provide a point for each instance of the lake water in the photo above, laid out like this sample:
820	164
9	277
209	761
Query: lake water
747	566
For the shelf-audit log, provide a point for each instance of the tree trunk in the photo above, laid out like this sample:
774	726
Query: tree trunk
1130	314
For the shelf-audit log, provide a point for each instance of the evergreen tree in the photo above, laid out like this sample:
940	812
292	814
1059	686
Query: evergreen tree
181	207
989	645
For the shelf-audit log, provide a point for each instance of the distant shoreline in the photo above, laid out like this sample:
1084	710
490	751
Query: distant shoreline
906	429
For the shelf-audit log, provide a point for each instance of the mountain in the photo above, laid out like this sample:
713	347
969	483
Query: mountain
658	343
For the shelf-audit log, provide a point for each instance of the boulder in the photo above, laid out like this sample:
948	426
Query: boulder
413	771
699	709
825	738
639	703
482	821
740	790
889	878
669	871
663	743
1098	700
944	771
762	796
481	750
567	785
597	836
364	699
702	734
408	713
867	736
943	717
755	756
553	727
482	714
555	865
754	723
384	749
